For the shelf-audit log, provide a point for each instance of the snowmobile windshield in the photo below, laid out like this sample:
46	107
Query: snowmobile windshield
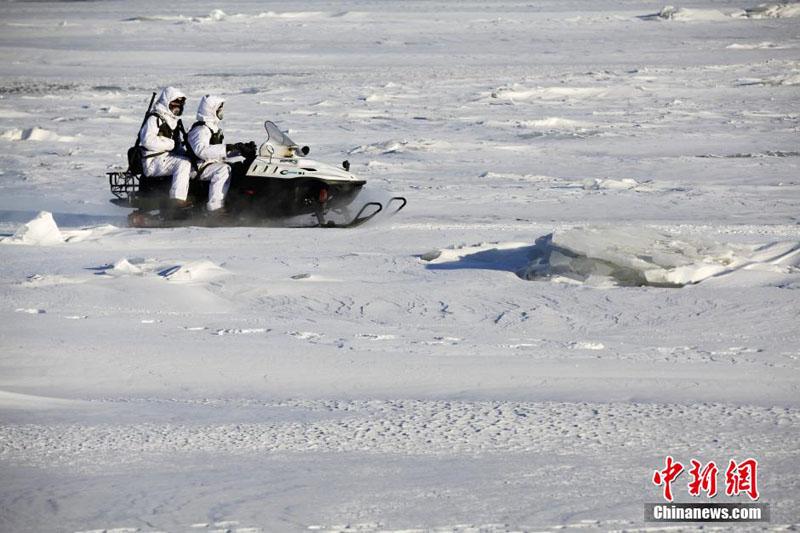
275	136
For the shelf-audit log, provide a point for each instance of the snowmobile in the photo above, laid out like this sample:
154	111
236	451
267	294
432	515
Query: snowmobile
277	182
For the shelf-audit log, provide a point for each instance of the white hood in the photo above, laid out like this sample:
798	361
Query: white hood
207	111
162	105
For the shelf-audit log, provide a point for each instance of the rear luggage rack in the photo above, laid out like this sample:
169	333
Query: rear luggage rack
124	185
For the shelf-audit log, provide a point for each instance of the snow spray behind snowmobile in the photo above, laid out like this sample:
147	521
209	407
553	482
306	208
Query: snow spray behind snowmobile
279	181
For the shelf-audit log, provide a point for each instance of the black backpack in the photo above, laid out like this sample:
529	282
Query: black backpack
135	159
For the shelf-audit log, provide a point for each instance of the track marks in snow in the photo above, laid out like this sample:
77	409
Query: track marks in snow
418	427
371	527
224	526
627	526
111	530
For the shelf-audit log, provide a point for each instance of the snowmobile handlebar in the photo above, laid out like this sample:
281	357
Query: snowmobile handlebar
266	148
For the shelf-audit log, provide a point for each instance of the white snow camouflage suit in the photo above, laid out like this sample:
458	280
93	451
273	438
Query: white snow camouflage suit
210	157
156	157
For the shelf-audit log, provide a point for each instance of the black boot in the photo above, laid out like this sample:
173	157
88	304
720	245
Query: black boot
217	217
177	209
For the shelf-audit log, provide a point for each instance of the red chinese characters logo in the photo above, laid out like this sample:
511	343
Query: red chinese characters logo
739	478
703	480
667	476
742	478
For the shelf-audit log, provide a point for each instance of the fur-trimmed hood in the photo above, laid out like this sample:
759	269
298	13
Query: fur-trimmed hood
162	105
207	111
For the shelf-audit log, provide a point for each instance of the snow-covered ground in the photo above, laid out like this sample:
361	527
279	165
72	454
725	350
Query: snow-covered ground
598	267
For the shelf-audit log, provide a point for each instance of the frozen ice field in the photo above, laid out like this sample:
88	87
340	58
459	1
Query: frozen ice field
598	267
